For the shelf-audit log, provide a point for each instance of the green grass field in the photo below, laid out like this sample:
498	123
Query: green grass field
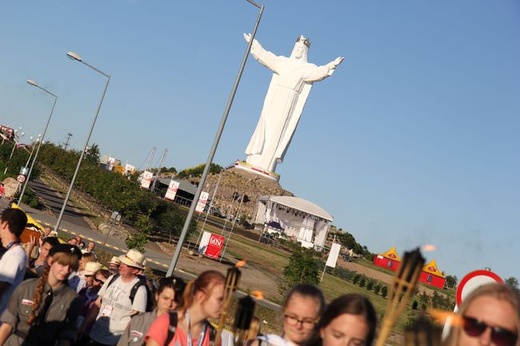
273	261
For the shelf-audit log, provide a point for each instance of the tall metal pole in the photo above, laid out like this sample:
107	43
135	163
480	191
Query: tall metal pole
33	83
211	155
76	57
15	140
34	144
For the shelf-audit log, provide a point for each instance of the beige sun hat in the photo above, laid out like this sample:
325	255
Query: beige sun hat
91	268
133	258
115	260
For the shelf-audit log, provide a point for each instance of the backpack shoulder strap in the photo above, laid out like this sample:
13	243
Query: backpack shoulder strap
114	278
212	334
134	289
171	328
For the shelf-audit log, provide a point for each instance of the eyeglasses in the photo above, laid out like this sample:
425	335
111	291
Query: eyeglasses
500	336
292	320
98	280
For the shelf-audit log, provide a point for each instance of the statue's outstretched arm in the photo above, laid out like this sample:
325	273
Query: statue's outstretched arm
255	45
333	64
266	58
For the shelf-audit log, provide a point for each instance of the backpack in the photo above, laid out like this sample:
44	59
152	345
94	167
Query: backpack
173	327
133	291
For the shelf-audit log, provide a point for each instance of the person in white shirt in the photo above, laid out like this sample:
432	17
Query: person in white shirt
115	306
13	260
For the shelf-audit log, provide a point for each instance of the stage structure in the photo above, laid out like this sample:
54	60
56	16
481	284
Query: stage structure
295	217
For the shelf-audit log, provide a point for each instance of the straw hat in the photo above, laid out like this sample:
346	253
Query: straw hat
133	258
115	260
91	268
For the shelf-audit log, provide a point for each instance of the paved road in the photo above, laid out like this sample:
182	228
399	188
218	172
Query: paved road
54	201
73	224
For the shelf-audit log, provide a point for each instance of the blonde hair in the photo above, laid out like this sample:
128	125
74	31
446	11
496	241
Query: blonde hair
254	329
495	290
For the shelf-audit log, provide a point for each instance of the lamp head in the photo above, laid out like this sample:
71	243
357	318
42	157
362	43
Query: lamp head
31	82
74	56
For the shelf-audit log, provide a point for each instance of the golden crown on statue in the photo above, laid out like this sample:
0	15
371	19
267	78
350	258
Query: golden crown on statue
304	40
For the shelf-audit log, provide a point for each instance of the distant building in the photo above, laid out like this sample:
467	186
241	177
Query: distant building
115	165
298	218
6	133
176	190
430	275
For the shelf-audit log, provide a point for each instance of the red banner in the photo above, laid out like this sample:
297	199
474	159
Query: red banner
215	246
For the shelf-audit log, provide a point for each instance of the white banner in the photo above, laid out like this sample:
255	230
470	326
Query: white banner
333	255
129	169
204	241
111	163
146	179
172	190
201	204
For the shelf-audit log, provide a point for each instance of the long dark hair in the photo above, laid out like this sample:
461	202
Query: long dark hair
352	304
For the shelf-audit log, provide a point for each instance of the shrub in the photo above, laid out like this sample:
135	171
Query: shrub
356	278
384	291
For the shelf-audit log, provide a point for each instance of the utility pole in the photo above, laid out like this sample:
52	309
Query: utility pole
163	156
67	139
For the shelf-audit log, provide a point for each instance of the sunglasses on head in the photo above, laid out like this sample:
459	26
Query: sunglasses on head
500	336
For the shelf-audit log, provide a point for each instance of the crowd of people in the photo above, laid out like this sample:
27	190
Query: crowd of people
55	293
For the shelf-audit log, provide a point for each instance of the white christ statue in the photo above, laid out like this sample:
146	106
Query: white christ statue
283	105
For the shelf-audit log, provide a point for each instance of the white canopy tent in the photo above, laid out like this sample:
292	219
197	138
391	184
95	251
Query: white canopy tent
300	219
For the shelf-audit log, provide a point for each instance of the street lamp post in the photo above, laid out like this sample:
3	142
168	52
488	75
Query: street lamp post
213	149
34	144
34	84
77	57
17	136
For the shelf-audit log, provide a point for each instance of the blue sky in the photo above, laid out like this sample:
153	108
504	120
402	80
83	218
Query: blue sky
413	141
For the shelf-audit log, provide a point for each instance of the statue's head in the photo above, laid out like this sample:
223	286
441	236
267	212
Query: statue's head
301	48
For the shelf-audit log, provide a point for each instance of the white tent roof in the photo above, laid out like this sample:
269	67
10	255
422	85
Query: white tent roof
301	204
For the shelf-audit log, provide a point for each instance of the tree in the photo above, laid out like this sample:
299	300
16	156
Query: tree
92	154
451	281
512	281
139	240
197	170
302	268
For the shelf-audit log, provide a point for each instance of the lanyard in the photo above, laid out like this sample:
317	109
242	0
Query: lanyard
10	245
188	334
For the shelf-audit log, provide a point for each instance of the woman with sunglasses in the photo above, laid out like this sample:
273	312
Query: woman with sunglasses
95	277
168	297
348	320
302	308
490	315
